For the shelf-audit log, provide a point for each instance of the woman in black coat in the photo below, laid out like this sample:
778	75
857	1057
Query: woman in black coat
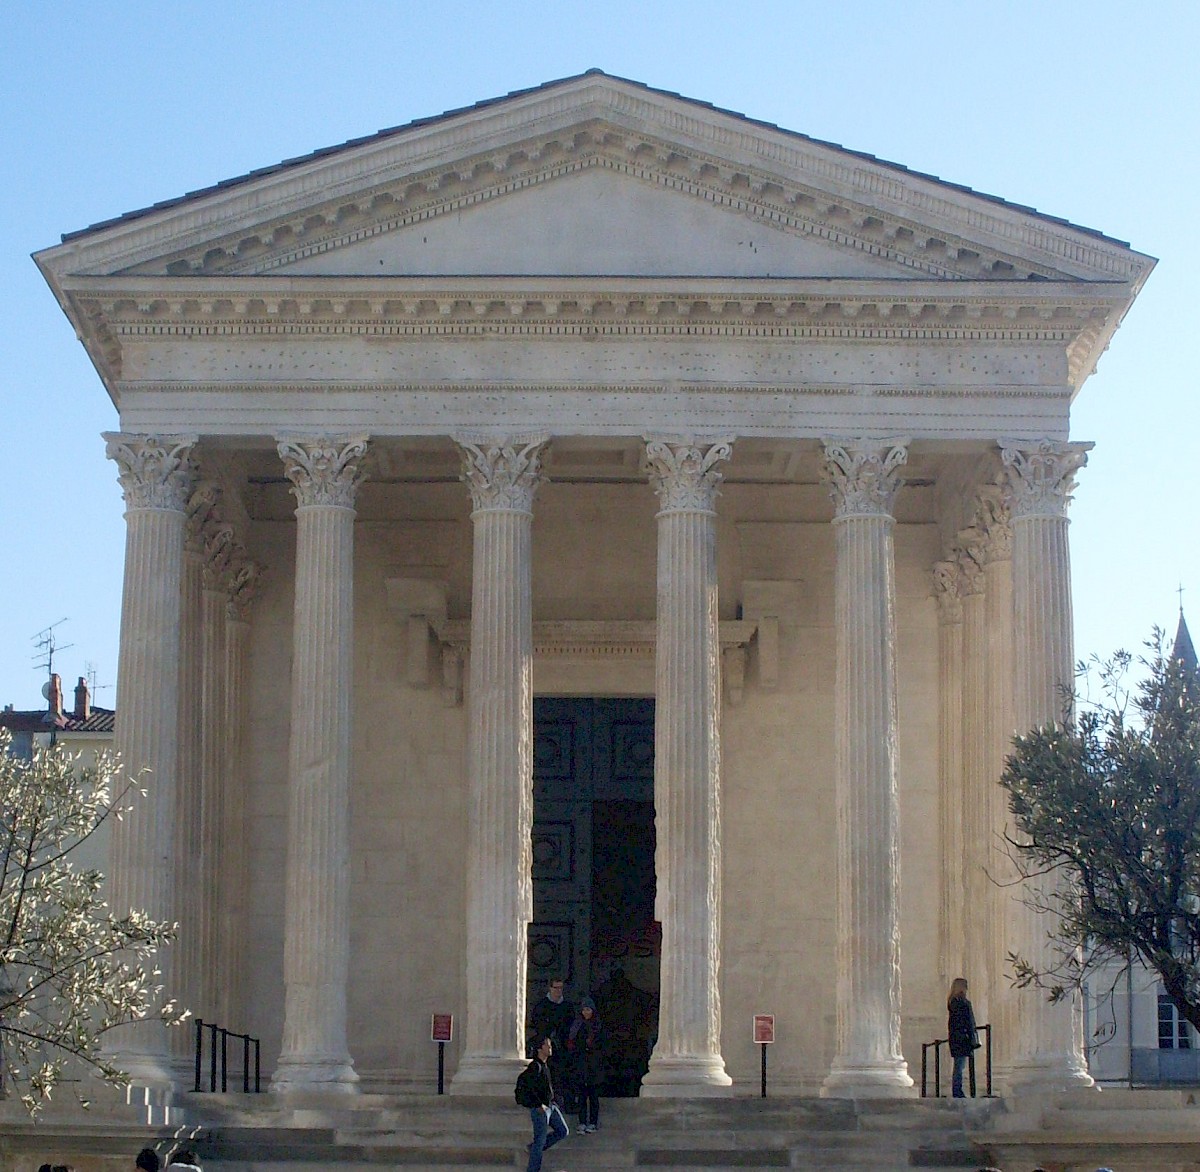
961	1029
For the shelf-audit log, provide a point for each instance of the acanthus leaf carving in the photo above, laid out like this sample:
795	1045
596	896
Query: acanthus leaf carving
1041	476
684	473
503	474
862	475
155	471
324	470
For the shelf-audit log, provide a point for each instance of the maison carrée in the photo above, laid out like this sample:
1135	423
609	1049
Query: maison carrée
592	535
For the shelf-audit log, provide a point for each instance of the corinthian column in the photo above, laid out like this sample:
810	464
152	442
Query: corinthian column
863	483
1049	1037
187	786
947	584
687	771
241	581
325	473
994	522
155	473
218	547
503	476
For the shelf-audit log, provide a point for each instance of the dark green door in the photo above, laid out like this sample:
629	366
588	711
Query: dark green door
593	869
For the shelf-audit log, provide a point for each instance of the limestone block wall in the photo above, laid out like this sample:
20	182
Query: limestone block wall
594	558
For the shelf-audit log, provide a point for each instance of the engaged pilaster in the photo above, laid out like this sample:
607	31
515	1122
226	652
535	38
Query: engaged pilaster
503	476
156	475
863	482
325	473
687	770
1049	1037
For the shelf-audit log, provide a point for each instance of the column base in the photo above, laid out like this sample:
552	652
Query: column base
487	1074
155	1071
1055	1072
685	1078
315	1074
874	1080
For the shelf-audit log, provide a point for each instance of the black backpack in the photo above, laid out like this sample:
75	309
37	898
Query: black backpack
526	1090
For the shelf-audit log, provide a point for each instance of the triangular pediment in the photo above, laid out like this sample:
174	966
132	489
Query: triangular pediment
594	221
592	175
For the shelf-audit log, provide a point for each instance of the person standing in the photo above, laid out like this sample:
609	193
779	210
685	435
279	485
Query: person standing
535	1090
551	1018
961	1031
586	1045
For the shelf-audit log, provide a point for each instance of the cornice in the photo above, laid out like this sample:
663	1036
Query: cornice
798	185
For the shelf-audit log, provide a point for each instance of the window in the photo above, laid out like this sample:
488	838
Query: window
1173	1033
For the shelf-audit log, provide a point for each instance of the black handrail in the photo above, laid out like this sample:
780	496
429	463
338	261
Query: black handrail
215	1032
936	1045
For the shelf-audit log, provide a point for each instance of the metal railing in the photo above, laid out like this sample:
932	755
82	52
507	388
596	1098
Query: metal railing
219	1046
936	1046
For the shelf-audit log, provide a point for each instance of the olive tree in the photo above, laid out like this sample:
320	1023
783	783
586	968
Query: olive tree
70	969
1109	800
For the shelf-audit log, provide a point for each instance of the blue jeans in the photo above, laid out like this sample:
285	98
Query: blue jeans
956	1087
555	1124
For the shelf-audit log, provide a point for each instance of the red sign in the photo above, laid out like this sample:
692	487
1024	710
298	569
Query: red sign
442	1028
764	1028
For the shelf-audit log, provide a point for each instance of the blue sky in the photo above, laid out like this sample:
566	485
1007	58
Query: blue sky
1084	110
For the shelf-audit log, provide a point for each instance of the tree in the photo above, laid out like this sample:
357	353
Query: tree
1109	801
70	970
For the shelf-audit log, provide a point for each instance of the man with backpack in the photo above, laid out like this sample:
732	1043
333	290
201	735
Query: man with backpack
535	1091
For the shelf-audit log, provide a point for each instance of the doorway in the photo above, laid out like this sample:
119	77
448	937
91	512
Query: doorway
593	870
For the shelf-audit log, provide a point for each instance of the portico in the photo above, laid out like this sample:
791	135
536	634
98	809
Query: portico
591	391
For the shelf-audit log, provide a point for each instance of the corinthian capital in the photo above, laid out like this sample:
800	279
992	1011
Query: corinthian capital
155	471
993	520
862	477
201	507
947	589
1041	475
220	546
324	470
503	474
684	474
242	577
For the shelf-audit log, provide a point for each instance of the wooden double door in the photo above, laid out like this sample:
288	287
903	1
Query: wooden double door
593	870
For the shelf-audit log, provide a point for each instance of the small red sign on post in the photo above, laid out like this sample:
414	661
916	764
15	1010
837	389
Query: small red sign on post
442	1028
764	1028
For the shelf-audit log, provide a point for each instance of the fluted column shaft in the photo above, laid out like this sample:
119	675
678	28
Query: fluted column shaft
998	1007
218	542
974	778
863	482
325	473
687	771
155	474
187	820
951	904
1049	1037
503	477
241	584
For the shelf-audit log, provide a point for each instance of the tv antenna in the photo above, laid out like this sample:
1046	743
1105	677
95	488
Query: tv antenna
47	644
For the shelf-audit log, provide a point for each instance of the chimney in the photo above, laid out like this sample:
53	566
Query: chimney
83	702
54	701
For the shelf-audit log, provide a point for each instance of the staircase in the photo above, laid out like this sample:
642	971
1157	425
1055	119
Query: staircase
456	1134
